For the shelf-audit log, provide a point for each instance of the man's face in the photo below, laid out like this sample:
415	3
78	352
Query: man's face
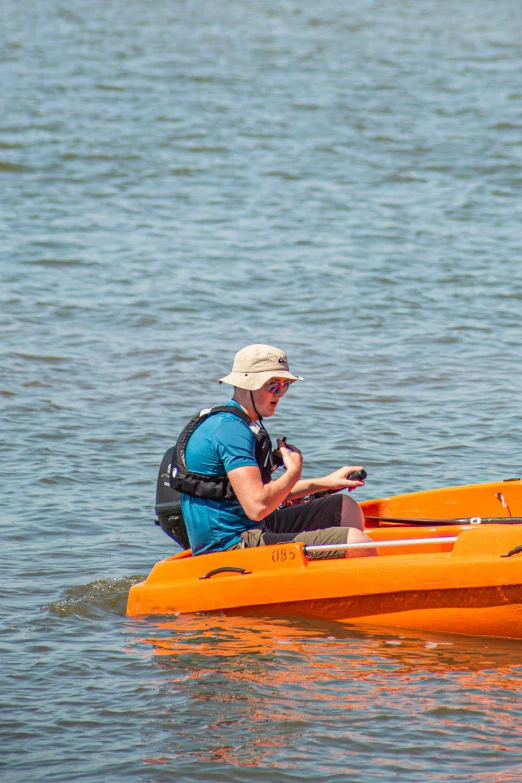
268	396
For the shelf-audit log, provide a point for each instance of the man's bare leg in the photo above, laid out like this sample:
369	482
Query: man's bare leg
351	514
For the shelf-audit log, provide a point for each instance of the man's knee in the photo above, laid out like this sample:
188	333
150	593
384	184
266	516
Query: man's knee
351	514
356	536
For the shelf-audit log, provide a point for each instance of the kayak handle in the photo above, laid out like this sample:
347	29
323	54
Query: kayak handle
225	568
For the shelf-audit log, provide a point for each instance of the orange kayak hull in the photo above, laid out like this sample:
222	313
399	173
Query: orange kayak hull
459	586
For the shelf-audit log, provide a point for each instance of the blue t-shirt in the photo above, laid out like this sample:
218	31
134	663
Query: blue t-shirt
222	443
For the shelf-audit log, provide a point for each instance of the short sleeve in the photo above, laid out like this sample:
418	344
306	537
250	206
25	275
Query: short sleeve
235	444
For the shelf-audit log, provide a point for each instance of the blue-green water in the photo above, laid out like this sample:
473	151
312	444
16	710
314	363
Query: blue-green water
179	179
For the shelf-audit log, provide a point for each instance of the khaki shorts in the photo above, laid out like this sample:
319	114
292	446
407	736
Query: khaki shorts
314	523
330	535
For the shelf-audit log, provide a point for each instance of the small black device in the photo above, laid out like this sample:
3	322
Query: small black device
276	458
357	475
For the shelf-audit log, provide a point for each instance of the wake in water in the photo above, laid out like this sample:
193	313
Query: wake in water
95	599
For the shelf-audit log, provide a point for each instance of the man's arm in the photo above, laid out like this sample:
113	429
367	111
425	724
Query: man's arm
258	499
336	480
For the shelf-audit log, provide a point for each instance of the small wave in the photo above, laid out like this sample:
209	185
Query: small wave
506	126
64	13
98	156
307	106
282	175
28	357
110	87
210	148
13	167
185	171
105	596
399	177
314	21
54	262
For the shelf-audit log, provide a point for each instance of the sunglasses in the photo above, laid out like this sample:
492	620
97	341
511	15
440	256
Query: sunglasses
273	387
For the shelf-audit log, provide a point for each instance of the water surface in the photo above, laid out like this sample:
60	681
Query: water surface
179	179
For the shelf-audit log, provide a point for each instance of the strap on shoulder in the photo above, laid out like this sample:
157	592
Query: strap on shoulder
239	412
258	431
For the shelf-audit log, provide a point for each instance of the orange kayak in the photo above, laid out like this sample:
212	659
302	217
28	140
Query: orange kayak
449	560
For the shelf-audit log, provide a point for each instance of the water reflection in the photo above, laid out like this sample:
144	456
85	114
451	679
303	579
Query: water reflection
236	636
292	692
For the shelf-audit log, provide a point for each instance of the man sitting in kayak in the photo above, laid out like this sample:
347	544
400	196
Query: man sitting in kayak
224	444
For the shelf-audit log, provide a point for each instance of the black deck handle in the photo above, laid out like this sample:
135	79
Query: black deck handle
225	568
514	551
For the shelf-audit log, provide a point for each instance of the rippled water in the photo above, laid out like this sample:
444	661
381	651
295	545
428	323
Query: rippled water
178	179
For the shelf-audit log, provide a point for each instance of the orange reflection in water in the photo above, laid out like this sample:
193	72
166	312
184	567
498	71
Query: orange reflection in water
227	636
290	670
211	636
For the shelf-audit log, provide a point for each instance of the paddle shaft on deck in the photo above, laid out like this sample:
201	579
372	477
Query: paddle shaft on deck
376	544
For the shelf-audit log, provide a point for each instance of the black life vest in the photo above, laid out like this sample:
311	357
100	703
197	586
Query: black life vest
175	479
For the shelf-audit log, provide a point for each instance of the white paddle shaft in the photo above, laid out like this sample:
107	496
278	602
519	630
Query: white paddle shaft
375	544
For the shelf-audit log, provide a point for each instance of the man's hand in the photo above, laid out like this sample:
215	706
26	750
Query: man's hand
292	459
338	480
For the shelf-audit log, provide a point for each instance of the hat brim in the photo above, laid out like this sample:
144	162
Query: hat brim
255	380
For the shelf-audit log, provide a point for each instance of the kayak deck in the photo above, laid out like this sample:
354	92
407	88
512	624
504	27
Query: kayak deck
493	499
460	583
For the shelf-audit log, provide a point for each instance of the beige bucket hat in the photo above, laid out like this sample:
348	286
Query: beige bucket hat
256	364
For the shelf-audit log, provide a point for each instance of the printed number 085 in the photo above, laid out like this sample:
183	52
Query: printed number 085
280	555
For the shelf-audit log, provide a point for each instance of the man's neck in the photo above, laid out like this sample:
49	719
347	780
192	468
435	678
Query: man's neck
244	398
